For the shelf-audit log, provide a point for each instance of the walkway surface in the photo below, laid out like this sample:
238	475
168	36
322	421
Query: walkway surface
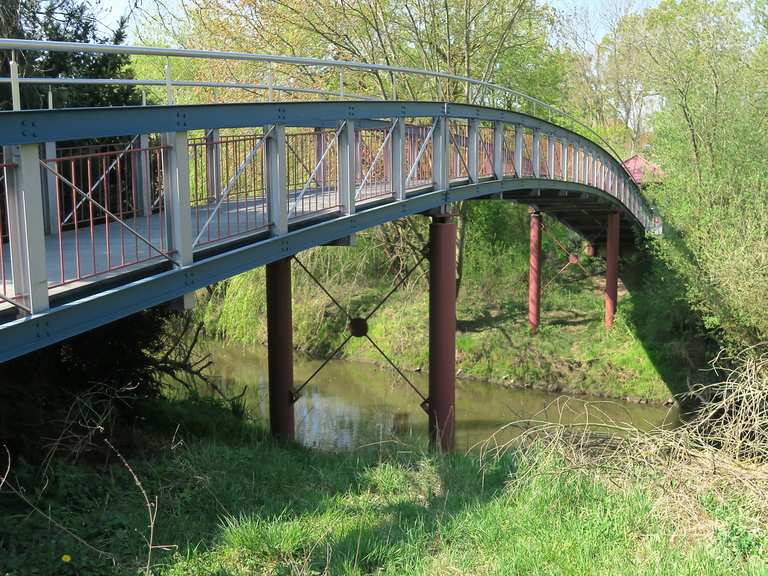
105	249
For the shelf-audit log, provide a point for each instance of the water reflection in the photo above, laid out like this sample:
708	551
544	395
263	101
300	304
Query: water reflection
351	404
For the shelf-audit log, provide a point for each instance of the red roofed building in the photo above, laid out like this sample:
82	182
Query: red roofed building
642	171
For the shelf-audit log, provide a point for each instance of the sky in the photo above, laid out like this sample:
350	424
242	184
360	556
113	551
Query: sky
113	9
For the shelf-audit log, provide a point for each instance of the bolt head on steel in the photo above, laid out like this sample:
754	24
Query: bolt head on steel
358	327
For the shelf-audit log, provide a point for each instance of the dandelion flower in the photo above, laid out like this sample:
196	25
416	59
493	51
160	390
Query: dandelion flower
66	558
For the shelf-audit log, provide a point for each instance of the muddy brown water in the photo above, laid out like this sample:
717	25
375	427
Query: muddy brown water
352	404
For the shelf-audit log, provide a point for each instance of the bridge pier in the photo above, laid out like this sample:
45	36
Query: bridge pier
442	332
534	273
280	350
612	268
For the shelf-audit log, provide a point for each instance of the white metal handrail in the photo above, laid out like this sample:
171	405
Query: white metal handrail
184	84
15	44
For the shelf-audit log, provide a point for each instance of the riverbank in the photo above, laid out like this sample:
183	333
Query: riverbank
229	501
649	356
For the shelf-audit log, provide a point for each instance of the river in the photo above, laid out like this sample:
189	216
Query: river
352	404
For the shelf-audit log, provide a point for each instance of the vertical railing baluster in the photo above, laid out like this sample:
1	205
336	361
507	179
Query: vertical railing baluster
397	165
551	157
213	164
440	154
348	157
49	187
519	150
536	156
473	161
498	150
178	205
141	174
610	181
275	164
26	228
564	159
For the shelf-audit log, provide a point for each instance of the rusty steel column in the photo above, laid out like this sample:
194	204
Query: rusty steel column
280	350
612	268
534	273
442	332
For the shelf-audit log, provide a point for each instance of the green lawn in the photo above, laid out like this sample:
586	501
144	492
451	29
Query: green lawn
231	502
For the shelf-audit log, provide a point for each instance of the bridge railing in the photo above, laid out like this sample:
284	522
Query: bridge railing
475	91
6	279
125	201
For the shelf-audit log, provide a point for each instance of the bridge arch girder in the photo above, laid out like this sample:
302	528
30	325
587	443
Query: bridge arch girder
569	198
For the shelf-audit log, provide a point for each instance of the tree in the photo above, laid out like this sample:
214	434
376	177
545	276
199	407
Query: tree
501	41
69	21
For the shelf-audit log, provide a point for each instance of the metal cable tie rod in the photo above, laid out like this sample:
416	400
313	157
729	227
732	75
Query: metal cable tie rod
320	285
396	286
323	365
403	376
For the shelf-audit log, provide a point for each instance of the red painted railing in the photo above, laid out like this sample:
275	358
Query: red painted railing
109	210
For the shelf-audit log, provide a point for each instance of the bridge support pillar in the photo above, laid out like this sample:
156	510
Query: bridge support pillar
612	268
442	333
534	273
280	350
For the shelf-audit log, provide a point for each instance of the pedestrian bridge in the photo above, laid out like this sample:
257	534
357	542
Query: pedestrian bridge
108	211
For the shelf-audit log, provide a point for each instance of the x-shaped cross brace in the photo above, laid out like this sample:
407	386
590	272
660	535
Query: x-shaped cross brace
357	327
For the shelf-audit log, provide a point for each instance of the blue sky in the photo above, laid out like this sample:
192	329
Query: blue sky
113	9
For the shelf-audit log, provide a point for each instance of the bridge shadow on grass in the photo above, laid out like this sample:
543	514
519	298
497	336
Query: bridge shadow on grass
232	502
485	319
671	332
295	510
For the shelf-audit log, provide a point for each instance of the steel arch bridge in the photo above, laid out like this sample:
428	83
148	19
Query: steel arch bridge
109	211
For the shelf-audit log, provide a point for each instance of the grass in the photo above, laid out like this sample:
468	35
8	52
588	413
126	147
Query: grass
657	346
231	502
640	359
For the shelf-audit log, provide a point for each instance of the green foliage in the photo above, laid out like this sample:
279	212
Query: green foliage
709	141
686	79
111	366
